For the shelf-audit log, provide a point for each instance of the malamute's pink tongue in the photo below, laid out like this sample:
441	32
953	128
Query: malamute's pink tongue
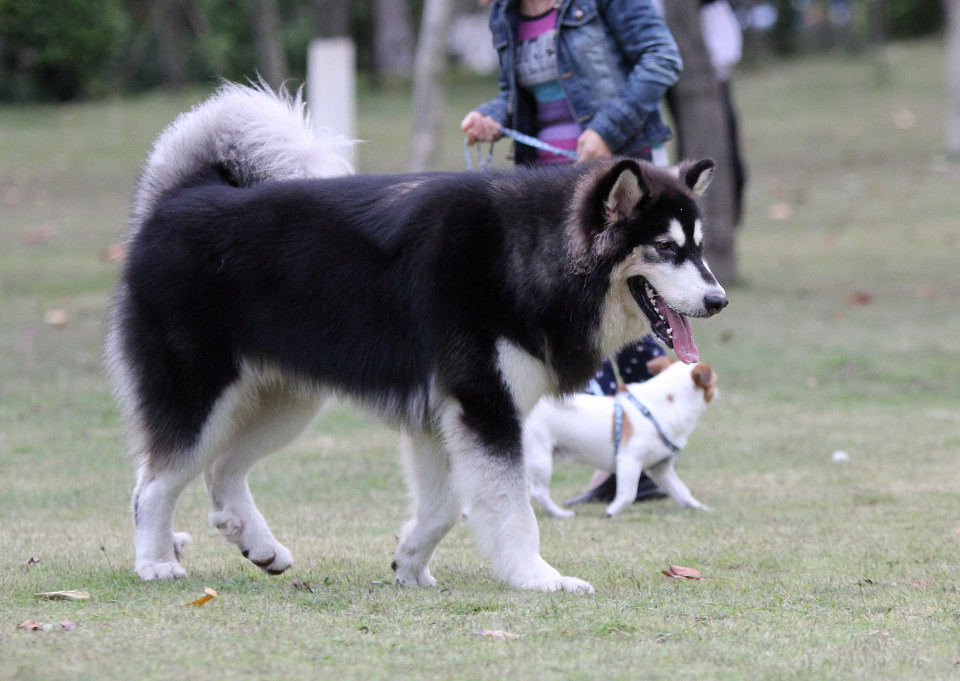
683	343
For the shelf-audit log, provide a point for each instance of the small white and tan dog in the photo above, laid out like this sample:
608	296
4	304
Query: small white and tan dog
587	428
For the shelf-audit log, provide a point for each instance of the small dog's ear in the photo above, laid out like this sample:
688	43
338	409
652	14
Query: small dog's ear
625	191
658	364
697	175
705	378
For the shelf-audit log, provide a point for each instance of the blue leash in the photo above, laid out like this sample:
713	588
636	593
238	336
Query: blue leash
483	164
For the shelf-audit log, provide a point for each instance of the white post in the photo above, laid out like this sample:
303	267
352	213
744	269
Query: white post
331	85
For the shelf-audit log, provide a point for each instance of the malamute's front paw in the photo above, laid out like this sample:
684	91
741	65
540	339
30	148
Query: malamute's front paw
560	583
149	572
541	576
404	576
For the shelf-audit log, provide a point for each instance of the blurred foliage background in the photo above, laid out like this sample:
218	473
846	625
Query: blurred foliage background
60	50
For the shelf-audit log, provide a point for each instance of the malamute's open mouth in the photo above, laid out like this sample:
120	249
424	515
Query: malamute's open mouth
669	325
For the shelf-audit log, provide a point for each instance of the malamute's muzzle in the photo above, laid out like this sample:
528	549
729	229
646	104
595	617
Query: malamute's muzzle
670	326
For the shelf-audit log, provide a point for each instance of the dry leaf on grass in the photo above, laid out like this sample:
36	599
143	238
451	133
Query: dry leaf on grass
33	625
209	595
56	318
680	572
301	585
497	633
113	253
63	596
860	298
30	561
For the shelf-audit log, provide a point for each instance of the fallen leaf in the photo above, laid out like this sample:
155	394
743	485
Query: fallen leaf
63	596
497	633
113	253
860	298
300	585
30	561
904	119
780	211
680	572
209	595
67	625
56	318
30	625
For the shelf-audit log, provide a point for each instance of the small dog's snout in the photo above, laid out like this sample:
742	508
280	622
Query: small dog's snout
714	303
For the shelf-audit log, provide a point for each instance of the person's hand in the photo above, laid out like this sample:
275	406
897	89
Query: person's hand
480	128
591	146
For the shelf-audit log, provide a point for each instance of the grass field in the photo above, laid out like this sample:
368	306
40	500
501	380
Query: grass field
844	335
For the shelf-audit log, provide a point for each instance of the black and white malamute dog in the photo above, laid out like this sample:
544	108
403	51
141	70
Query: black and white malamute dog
447	303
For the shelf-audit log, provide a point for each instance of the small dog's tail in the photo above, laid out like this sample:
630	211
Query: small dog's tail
250	134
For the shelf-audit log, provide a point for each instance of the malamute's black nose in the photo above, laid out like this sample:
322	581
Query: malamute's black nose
714	304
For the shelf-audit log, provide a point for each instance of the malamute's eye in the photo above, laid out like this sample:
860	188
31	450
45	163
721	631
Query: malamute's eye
665	246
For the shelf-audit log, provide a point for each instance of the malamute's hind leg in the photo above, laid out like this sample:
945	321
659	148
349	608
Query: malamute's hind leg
279	415
435	509
155	497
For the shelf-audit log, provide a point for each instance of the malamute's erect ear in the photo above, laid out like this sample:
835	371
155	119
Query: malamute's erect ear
696	174
622	190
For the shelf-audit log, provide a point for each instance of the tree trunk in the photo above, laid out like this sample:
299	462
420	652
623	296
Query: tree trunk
332	17
429	85
701	122
266	32
953	78
393	37
171	28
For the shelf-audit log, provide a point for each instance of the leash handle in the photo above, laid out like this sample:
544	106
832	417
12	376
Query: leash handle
482	163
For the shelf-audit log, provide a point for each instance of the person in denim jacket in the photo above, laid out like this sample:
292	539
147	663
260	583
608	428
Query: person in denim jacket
612	62
587	76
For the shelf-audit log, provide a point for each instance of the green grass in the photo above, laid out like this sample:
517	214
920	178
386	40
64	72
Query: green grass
844	335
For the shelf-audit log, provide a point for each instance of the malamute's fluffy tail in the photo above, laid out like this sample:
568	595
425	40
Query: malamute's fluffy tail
251	133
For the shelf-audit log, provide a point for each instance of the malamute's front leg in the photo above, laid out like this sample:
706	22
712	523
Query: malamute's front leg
494	493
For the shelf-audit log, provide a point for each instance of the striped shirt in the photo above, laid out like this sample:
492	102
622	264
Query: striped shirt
537	73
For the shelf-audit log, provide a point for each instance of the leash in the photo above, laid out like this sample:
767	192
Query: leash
485	163
537	143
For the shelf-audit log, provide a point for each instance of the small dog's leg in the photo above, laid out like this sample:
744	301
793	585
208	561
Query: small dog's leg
435	509
538	457
628	475
667	479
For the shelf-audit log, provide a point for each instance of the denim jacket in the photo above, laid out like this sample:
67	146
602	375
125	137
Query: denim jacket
616	59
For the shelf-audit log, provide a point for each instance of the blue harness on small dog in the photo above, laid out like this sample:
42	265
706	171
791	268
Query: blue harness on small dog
618	425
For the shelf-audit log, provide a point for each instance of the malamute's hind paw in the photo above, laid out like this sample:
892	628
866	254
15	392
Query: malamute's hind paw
276	562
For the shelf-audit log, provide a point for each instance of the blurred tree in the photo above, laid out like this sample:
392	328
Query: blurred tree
266	31
393	37
953	77
700	119
429	84
56	49
332	17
